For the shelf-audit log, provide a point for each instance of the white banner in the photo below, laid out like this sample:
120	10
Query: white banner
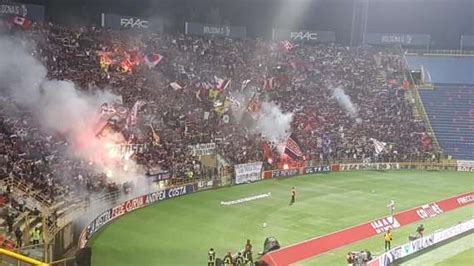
248	172
421	243
465	166
203	149
369	166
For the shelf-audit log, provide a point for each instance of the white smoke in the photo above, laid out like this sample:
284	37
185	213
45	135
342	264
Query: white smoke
345	102
273	123
58	106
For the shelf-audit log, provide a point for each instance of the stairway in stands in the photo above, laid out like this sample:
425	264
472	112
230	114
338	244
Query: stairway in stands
450	108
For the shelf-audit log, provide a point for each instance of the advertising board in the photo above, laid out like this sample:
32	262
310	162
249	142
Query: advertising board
202	29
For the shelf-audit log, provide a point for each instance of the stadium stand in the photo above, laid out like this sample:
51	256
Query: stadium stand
451	111
53	185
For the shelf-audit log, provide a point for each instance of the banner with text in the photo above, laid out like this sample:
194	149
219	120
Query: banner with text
465	166
32	12
396	38
303	35
215	30
317	169
118	22
285	172
203	149
369	166
313	247
248	172
389	257
131	205
467	41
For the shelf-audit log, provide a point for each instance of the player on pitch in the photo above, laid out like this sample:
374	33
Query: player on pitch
391	207
293	196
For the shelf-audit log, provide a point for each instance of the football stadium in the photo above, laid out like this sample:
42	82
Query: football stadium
244	132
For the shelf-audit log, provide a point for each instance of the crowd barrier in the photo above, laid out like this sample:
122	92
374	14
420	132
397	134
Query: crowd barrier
158	196
136	203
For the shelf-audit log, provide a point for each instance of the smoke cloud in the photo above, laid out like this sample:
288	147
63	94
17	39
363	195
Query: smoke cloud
270	121
345	102
273	124
58	106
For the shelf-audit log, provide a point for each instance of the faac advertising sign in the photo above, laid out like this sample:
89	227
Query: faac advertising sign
215	30
118	22
303	35
32	12
396	38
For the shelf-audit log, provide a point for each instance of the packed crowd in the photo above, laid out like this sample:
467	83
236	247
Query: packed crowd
299	80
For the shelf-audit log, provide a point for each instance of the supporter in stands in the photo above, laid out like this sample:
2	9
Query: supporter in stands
35	212
35	236
9	220
19	237
21	203
299	81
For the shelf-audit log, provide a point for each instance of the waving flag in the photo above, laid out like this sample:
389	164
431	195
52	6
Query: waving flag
132	117
176	86
221	84
326	142
379	146
22	22
156	137
152	59
269	83
267	152
293	149
288	45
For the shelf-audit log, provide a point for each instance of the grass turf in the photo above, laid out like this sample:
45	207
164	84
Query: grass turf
400	236
180	231
464	258
459	252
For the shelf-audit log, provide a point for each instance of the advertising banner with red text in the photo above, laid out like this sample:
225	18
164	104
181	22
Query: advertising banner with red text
319	245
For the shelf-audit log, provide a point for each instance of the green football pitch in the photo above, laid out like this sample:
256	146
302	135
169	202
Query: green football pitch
180	231
458	252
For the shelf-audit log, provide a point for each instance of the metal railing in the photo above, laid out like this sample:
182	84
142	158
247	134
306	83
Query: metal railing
419	105
440	52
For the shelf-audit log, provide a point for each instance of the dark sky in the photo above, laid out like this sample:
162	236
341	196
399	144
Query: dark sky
444	20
